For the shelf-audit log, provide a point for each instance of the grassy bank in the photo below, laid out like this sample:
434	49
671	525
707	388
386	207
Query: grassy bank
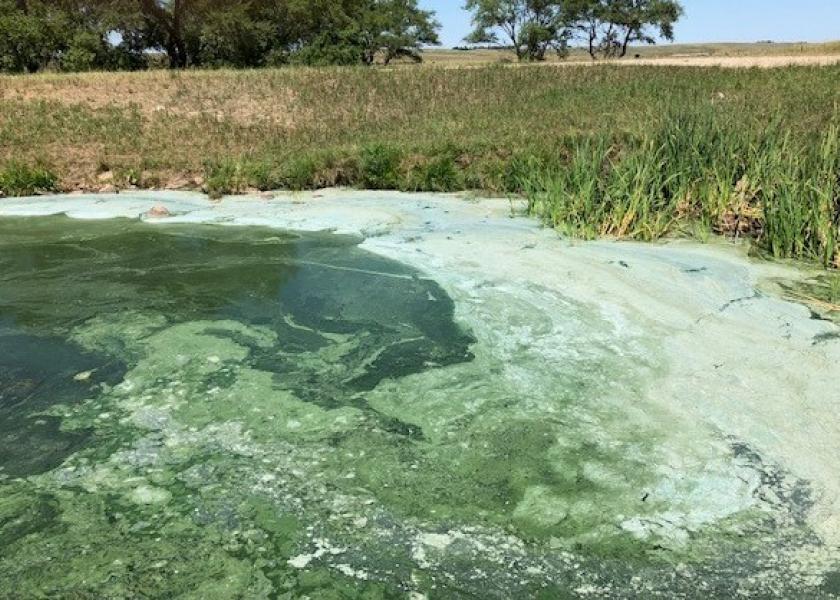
637	152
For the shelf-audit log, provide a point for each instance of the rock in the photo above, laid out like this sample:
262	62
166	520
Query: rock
109	189
158	211
105	177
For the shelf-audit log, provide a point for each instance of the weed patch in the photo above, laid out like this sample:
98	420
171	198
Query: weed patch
19	179
379	167
695	174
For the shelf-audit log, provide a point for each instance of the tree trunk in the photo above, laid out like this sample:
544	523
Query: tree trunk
172	26
510	30
23	6
626	42
178	9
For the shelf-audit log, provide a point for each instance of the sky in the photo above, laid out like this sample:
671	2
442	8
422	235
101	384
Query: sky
706	20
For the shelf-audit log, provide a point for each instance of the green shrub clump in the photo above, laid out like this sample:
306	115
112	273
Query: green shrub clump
20	179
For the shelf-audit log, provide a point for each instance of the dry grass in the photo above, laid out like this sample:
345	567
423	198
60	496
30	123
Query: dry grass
737	62
200	94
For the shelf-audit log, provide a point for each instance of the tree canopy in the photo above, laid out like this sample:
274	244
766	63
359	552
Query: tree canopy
533	27
610	26
127	34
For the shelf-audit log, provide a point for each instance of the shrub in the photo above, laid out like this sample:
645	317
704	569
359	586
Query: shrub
224	177
379	167
302	172
439	174
87	52
18	179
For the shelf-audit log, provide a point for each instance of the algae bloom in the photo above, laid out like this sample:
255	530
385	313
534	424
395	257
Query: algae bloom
192	410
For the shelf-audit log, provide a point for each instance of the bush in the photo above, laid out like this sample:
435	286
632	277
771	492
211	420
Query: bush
301	172
224	177
379	167
330	48
18	179
440	174
87	52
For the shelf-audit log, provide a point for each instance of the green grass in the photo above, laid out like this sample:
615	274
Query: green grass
20	179
697	173
637	152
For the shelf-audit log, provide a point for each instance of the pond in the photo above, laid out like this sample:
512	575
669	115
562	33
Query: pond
205	411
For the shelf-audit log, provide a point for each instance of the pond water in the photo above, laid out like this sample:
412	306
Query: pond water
206	411
191	315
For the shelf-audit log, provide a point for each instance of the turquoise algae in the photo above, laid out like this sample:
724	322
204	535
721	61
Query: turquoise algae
198	411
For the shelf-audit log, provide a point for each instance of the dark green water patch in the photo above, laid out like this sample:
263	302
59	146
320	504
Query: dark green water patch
820	294
37	372
58	273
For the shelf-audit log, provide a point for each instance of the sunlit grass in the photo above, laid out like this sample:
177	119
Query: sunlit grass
628	152
19	179
699	173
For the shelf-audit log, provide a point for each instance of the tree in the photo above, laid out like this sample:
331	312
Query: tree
26	42
610	26
396	29
362	31
167	26
531	27
328	32
111	34
37	34
235	37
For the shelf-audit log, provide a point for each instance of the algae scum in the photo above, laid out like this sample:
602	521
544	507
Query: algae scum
196	411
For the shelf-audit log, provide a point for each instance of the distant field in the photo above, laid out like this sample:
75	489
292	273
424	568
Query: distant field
632	152
691	52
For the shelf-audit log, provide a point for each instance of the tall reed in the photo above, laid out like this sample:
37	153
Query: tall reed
698	170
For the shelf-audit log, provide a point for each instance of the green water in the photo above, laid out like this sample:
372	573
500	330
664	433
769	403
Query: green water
207	310
213	412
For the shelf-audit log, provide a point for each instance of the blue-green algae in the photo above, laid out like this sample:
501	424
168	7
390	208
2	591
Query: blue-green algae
215	412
